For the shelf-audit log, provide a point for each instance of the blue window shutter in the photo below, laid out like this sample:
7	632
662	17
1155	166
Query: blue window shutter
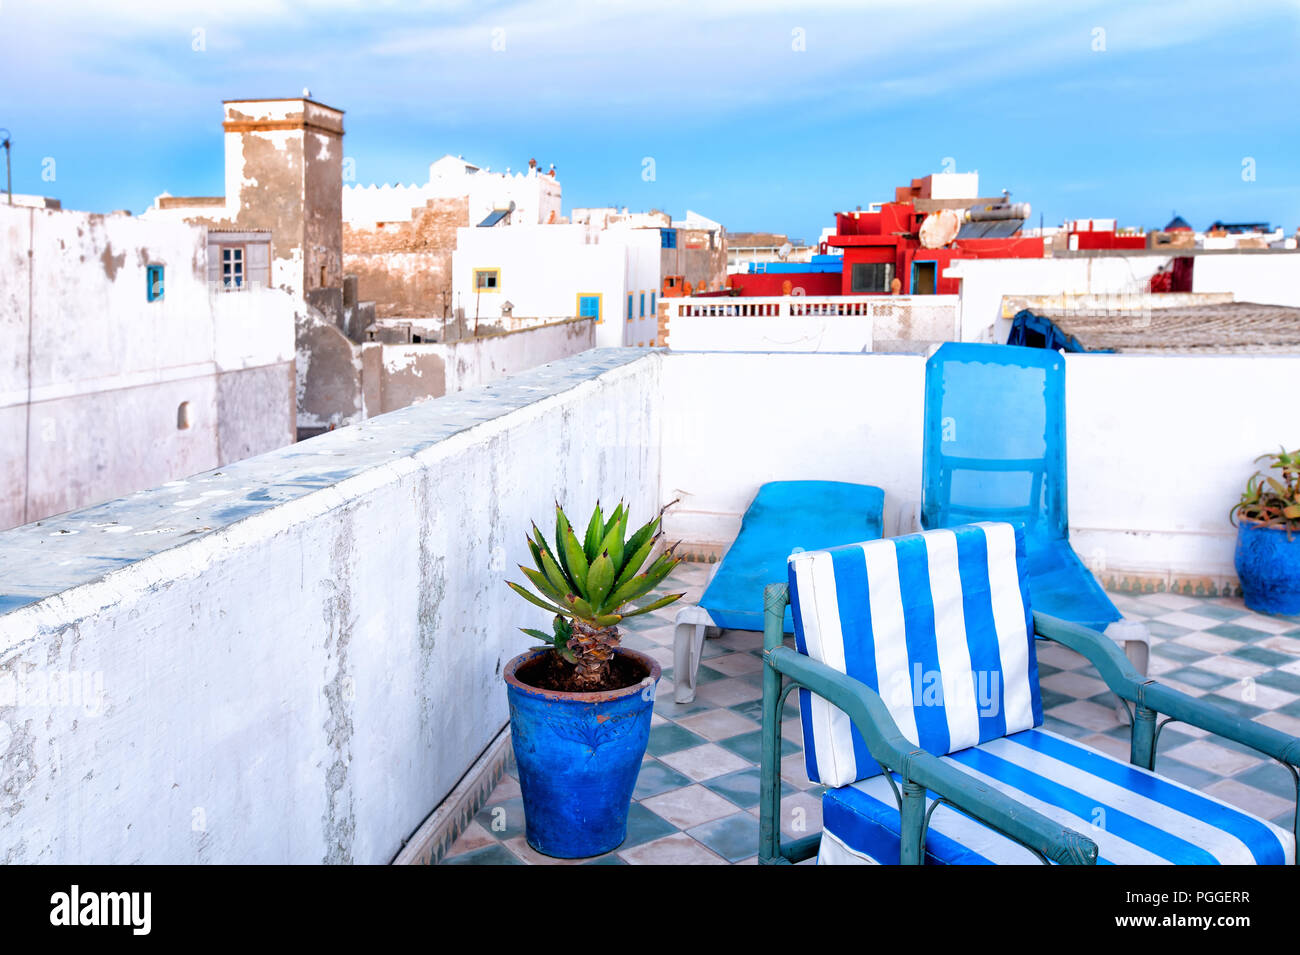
643	304
629	306
154	282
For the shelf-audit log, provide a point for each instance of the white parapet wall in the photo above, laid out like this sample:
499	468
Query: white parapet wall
735	421
1159	448
794	323
293	660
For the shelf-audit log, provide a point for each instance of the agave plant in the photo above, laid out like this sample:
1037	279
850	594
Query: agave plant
592	585
1270	501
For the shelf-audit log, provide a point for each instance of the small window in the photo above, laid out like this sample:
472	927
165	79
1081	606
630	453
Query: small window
589	306
183	416
154	280
652	303
487	280
629	306
643	304
232	267
871	277
668	238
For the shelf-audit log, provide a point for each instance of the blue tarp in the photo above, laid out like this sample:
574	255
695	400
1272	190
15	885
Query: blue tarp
995	451
820	263
785	516
1038	331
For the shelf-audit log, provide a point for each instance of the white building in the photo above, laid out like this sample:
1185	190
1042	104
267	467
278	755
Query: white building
530	197
126	364
562	271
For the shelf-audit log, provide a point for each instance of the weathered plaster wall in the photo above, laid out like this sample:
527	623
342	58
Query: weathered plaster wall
401	375
295	659
109	370
328	383
701	256
404	267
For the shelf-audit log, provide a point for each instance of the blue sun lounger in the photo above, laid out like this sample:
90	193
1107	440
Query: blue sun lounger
995	451
785	517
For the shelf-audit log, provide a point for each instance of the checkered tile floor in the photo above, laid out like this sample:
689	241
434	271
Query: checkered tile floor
696	800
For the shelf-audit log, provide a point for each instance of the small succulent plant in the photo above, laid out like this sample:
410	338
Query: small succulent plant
1272	500
593	584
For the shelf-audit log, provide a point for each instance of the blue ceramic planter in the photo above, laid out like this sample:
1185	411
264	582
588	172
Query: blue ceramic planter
1268	566
578	755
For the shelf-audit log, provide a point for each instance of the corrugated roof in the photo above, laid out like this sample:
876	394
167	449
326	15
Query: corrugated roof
1227	327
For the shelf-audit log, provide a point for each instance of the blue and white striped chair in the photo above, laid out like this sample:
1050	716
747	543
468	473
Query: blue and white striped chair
918	653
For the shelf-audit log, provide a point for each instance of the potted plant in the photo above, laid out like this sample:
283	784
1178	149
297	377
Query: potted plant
1268	548
580	707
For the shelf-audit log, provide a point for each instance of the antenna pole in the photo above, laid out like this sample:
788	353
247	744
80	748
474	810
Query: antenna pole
9	182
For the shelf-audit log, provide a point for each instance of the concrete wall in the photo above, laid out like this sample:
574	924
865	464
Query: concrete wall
296	659
99	415
395	376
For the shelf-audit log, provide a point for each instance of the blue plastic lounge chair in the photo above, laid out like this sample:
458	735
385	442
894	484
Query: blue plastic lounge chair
995	451
784	516
919	699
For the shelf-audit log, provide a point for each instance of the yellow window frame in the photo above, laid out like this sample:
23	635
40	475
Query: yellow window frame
475	274
600	305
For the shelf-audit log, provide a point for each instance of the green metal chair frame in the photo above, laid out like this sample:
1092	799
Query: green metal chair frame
784	669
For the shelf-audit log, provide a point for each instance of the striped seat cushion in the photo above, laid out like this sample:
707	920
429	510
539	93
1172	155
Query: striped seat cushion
937	623
1134	816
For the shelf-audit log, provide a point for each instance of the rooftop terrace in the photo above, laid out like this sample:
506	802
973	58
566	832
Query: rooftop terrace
297	658
696	801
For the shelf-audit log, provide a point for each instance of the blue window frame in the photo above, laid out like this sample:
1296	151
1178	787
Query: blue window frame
643	304
629	306
154	282
668	238
589	306
652	303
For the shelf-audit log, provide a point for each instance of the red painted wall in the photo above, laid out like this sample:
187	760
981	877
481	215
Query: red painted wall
812	283
1109	240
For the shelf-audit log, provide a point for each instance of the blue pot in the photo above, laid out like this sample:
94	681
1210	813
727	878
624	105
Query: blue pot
578	756
1268	566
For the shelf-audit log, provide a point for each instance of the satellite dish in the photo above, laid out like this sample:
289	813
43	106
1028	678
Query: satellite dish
784	252
939	229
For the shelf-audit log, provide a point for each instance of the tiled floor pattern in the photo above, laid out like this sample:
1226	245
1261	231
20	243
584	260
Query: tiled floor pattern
697	796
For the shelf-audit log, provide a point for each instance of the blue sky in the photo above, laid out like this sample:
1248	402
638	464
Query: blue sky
761	115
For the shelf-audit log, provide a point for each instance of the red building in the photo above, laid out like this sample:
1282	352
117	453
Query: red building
910	241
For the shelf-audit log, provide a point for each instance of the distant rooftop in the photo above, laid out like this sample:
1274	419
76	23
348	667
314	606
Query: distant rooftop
1218	328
